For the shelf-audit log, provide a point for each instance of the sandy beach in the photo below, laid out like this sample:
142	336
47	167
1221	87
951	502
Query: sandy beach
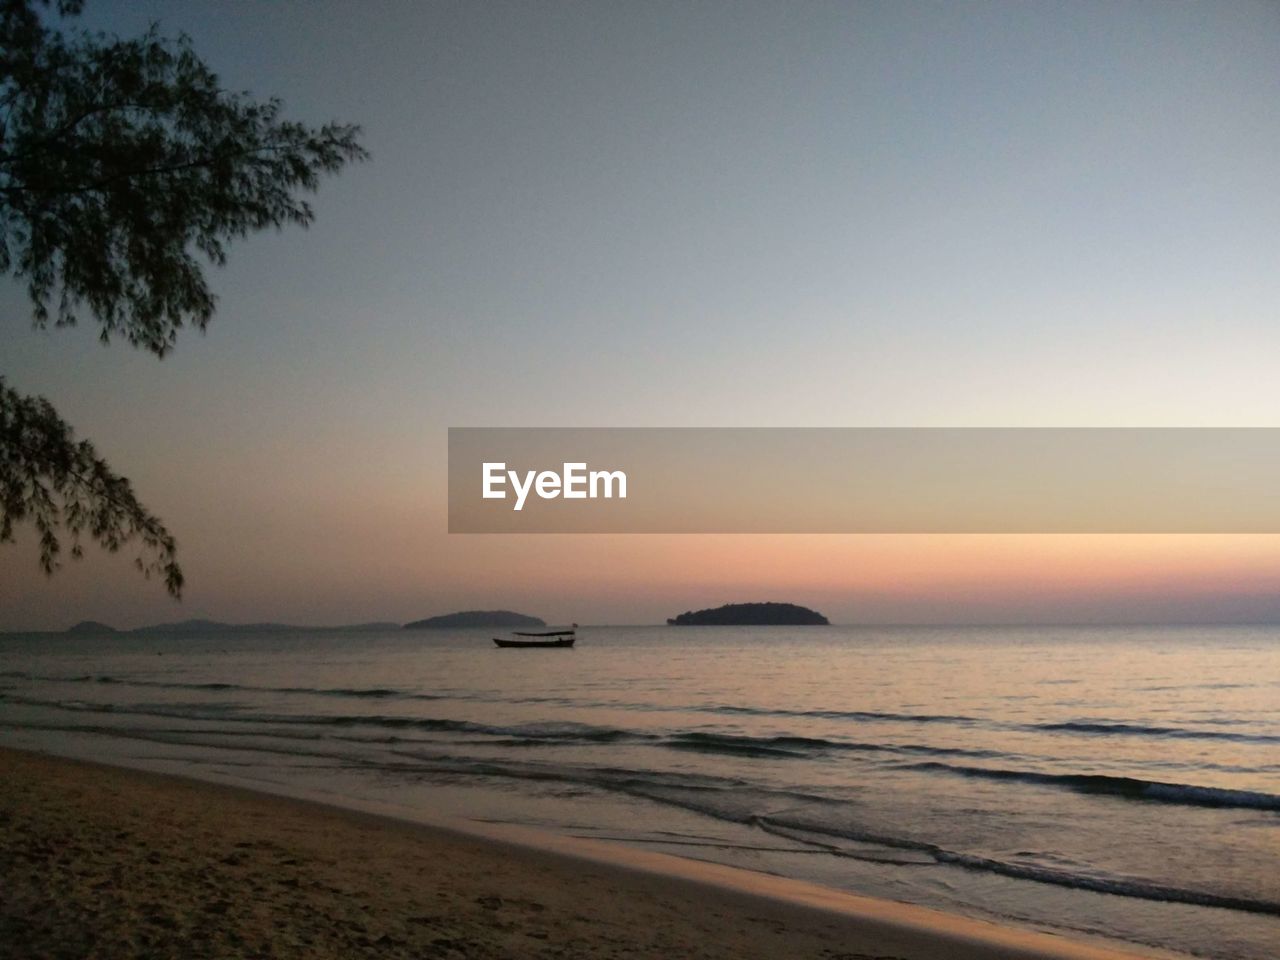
104	862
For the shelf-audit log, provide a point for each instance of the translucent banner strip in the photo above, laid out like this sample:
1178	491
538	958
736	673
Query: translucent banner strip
863	480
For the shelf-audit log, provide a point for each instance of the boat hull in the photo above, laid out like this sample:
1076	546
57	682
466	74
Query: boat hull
521	644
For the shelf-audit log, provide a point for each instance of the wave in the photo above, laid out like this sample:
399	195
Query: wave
1118	886
355	692
866	715
778	747
736	802
1130	788
785	746
807	818
1141	730
224	713
1082	727
1088	727
771	747
526	734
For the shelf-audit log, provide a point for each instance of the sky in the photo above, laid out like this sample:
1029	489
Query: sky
695	214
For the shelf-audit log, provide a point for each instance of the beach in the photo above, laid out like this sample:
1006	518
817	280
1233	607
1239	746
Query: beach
99	861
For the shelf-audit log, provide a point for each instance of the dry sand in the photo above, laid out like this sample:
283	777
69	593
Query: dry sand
99	862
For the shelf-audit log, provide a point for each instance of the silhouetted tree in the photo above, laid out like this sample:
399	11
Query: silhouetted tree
125	169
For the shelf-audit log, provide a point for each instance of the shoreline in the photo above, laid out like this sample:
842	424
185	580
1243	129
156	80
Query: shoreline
233	869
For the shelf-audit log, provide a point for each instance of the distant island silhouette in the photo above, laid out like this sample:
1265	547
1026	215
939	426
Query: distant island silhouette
751	615
204	627
92	626
731	614
476	618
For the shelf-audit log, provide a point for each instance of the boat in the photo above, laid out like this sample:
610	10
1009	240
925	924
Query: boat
546	638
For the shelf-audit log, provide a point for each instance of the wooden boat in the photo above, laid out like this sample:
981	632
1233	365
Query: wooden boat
547	638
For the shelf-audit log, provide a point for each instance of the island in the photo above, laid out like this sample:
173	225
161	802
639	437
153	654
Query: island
200	628
92	626
751	615
476	618
197	626
208	627
203	628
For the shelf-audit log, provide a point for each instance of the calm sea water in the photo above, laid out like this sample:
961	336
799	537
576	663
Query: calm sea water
1119	782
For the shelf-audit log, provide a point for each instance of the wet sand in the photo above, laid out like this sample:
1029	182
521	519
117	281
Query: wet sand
103	862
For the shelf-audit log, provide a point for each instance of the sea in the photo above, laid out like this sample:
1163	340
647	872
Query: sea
1120	783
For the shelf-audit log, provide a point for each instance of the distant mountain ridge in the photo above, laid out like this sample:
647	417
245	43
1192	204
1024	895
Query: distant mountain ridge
751	615
206	627
731	614
92	626
198	626
476	618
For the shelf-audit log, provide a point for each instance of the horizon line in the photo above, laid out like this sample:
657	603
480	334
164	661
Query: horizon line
392	624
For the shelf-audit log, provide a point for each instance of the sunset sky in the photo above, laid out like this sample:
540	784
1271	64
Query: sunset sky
696	214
